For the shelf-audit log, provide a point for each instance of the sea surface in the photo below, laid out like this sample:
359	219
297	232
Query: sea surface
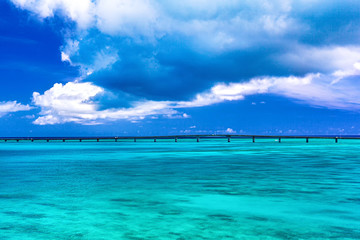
185	190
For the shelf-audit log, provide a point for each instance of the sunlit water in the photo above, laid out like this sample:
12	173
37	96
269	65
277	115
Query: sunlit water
185	190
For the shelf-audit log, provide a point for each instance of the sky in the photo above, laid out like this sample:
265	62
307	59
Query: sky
154	67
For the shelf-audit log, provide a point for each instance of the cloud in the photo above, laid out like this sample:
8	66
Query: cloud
151	18
230	130
213	26
80	11
161	57
324	59
127	18
12	106
336	91
74	102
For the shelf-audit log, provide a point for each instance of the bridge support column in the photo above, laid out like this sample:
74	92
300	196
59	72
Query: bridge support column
279	140
336	140
253	139
197	139
307	140
176	139
228	139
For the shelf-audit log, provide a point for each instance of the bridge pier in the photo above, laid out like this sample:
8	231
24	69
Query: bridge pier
176	139
279	139
253	139
307	140
336	140
197	139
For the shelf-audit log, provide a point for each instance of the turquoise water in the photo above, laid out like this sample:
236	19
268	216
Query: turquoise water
185	190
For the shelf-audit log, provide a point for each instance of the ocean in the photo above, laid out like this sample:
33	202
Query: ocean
185	190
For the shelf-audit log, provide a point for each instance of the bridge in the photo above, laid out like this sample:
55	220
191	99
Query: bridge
173	137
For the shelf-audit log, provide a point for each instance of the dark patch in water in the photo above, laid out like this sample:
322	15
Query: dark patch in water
33	215
232	193
121	214
15	196
345	232
6	228
48	204
25	215
11	213
223	217
332	211
131	236
287	235
228	193
353	199
257	218
154	203
130	204
326	188
30	229
121	200
170	212
213	185
272	190
76	236
174	233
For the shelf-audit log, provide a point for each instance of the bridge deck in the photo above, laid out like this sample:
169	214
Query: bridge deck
175	137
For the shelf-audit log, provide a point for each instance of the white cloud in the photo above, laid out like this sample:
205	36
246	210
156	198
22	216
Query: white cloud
12	106
80	11
230	130
314	89
73	102
65	57
69	102
104	60
307	57
127	18
101	59
204	21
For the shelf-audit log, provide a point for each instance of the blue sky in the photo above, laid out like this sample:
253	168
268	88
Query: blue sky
151	67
